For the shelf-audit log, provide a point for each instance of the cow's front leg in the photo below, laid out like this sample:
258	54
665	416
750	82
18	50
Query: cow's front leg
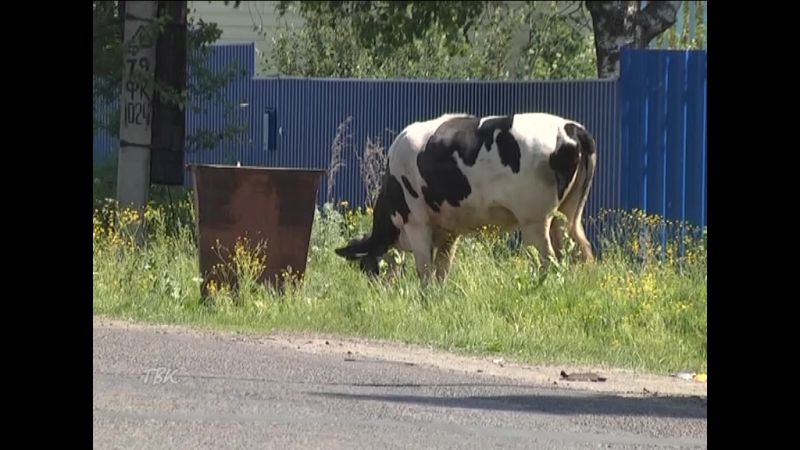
420	240
556	233
537	234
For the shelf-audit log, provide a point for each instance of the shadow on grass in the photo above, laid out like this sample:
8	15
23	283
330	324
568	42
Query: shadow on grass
666	407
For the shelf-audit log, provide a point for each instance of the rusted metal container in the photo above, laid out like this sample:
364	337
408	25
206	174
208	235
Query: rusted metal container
257	203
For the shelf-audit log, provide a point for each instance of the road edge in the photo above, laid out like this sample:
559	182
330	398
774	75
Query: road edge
619	381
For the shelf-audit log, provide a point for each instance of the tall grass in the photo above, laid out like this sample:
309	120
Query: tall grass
643	306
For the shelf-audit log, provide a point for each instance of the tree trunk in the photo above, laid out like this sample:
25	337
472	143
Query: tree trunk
621	23
121	17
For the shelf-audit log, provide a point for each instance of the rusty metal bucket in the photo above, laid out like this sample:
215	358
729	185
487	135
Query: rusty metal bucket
272	204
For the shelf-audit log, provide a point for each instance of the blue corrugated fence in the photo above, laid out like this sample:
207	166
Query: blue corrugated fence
649	125
663	108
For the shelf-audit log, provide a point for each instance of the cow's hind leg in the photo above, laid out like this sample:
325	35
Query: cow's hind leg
421	241
574	229
537	234
556	233
446	245
578	234
572	207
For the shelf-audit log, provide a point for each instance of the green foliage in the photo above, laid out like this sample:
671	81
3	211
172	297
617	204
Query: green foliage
559	44
499	41
104	177
384	26
680	38
107	67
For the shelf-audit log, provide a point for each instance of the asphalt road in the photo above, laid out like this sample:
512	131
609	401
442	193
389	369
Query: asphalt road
222	394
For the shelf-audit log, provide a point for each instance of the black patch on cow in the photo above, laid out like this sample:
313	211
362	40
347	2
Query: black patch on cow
437	166
564	161
394	202
384	234
408	186
461	135
507	145
581	135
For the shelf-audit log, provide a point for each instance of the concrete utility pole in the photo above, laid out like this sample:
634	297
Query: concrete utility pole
133	173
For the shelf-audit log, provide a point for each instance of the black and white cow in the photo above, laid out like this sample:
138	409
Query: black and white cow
450	176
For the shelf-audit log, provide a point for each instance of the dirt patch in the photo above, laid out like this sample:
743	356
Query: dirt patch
619	381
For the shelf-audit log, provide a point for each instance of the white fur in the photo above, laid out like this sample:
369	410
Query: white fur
494	186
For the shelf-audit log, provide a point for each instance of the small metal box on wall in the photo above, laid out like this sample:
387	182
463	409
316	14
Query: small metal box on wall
270	129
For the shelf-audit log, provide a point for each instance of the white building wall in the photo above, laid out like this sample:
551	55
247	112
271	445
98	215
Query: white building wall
240	24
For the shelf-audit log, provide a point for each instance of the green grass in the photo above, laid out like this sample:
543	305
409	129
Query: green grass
631	310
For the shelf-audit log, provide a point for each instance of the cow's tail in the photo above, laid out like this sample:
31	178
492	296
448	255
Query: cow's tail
588	152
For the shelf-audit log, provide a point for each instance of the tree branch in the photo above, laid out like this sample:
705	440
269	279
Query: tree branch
656	18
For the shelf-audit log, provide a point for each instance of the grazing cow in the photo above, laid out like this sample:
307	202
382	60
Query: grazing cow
449	176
